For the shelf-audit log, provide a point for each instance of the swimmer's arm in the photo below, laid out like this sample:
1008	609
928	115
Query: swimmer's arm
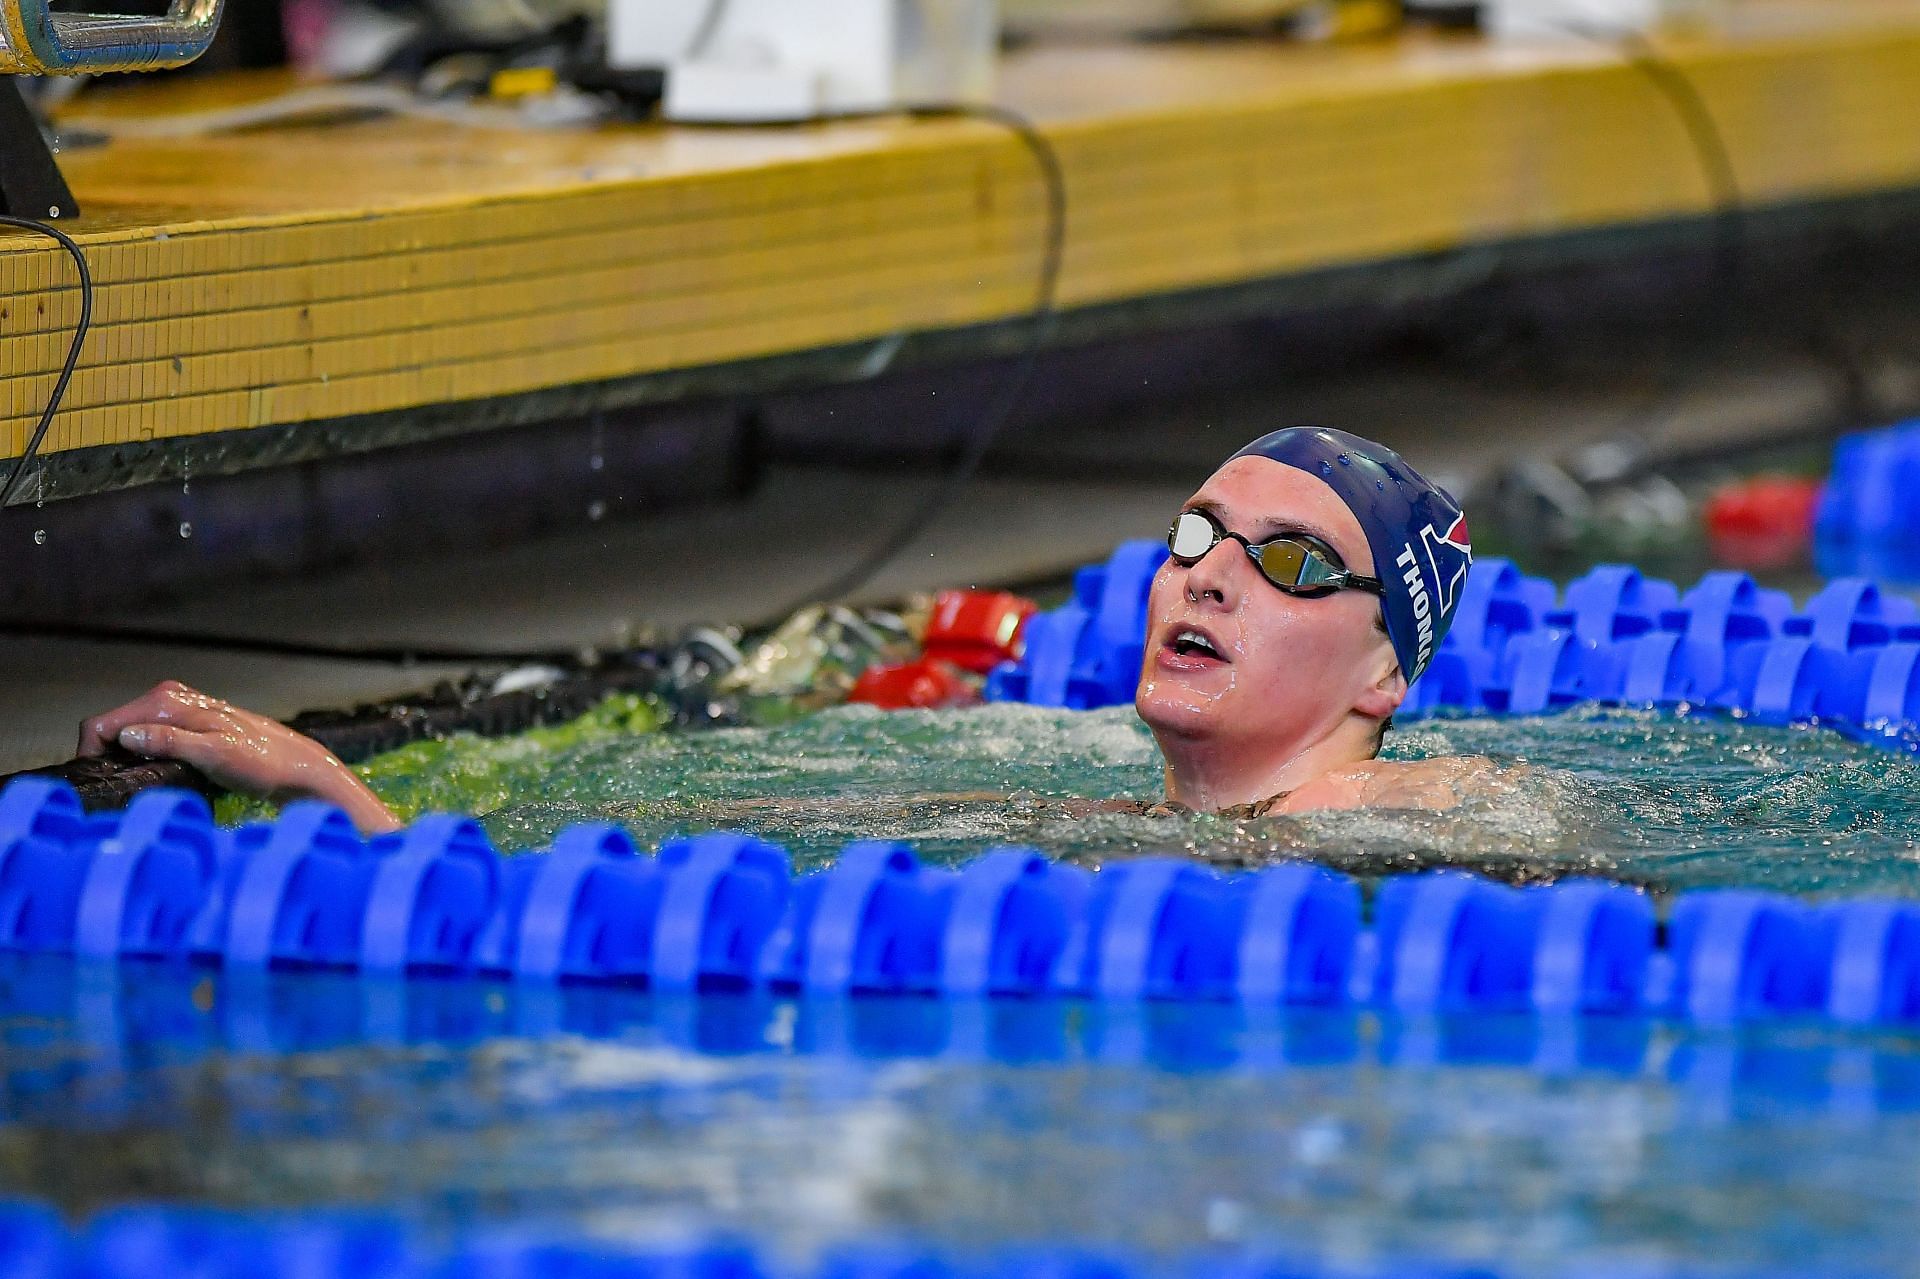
236	749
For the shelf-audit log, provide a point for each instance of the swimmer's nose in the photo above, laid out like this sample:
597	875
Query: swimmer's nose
1211	579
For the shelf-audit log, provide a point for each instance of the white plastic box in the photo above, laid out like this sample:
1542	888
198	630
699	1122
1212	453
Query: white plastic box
1532	19
746	60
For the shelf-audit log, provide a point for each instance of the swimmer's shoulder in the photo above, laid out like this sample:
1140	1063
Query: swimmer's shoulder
1436	783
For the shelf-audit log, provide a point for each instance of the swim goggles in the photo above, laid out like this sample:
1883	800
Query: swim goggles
1297	563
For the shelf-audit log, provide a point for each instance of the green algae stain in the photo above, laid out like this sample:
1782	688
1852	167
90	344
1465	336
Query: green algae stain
469	774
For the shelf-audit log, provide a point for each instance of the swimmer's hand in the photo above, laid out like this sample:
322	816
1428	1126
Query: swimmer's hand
236	749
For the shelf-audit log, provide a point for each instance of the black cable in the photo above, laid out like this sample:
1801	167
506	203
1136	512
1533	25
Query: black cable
66	242
1729	274
1716	167
710	23
1725	200
1716	158
1001	409
393	654
1731	245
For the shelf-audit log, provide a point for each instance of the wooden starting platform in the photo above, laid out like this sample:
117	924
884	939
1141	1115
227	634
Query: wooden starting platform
281	281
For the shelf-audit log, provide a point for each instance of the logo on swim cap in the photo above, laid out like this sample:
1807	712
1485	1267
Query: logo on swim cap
1451	555
1432	585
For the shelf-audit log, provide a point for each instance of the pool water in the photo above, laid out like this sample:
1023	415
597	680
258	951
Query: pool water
1669	801
1158	1131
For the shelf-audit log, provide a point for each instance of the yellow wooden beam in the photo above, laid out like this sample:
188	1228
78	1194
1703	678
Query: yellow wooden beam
289	275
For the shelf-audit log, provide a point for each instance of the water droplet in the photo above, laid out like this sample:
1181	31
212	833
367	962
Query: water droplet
39	537
186	529
1345	460
596	510
1326	468
596	443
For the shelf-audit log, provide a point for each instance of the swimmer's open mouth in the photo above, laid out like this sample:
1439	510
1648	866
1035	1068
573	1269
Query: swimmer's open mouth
1190	643
1193	643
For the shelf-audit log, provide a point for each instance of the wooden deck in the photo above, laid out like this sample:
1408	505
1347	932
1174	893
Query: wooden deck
297	275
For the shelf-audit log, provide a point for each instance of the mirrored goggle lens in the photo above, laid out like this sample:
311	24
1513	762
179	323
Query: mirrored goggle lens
1288	564
1192	536
1297	564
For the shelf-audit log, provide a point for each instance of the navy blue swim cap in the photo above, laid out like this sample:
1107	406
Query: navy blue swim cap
1418	533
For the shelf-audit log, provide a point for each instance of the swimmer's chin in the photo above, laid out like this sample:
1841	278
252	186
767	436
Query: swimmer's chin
1167	707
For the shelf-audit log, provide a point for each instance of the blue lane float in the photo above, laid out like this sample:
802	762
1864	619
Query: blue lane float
1867	523
147	1242
1850	658
160	881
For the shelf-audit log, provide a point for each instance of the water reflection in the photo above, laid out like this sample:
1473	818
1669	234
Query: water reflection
802	1124
65	1023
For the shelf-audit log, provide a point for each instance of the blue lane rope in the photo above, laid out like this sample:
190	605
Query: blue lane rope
1850	659
160	881
1867	522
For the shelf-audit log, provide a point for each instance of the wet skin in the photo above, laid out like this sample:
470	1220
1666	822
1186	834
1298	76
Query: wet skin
237	749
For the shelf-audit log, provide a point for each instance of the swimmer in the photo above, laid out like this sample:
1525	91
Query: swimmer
1311	578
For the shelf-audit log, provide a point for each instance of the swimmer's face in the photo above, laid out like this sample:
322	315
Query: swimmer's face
1284	669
